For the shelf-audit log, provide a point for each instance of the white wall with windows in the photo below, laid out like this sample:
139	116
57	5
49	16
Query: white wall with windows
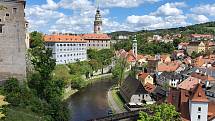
71	52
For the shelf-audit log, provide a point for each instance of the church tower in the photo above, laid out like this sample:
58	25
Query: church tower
134	46
98	22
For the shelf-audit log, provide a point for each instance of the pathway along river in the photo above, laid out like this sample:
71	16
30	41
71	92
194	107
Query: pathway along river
90	102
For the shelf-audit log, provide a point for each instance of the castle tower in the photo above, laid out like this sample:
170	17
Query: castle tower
134	46
98	22
198	105
12	37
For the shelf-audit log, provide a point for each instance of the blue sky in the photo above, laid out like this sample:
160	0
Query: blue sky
76	16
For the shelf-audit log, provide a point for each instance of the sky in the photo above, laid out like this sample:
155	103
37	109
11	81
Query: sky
77	16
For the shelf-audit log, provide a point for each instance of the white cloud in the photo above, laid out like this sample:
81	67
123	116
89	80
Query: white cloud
198	18
170	9
156	22
208	9
51	5
124	3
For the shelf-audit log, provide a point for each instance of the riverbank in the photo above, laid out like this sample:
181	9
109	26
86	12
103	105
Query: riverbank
114	101
88	82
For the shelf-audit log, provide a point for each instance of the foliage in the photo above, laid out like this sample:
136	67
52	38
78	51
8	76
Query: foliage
62	72
163	112
101	58
155	48
119	69
78	82
2	104
125	44
36	39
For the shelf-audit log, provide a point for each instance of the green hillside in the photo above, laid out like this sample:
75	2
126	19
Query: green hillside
204	28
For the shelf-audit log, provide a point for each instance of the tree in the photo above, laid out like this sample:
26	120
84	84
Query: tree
105	57
119	69
36	39
163	112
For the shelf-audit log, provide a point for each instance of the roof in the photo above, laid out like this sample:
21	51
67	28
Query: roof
202	35
130	87
149	87
184	105
95	36
189	83
203	77
143	75
169	67
198	94
195	43
211	110
63	38
184	43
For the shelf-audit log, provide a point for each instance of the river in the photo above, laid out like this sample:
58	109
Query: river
90	102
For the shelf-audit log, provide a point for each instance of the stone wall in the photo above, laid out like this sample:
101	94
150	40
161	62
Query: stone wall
12	40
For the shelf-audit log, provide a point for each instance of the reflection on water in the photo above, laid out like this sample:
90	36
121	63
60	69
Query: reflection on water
90	102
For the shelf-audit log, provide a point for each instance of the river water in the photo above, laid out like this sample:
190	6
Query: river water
90	102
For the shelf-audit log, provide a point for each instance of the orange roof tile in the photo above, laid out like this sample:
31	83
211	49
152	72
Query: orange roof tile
96	36
199	94
149	87
63	38
143	75
189	83
168	67
203	77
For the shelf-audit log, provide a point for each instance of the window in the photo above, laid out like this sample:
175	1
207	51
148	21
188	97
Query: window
199	108
1	28
14	10
7	14
0	20
199	117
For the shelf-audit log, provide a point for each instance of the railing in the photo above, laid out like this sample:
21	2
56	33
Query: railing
120	116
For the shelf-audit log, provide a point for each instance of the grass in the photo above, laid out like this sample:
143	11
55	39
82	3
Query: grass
117	98
15	114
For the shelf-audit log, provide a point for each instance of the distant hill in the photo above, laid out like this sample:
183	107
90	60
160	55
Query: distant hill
204	28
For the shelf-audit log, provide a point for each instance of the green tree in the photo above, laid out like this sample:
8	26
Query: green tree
119	69
36	39
163	112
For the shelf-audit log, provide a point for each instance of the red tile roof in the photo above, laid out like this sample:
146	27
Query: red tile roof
189	83
149	87
168	67
198	95
63	38
96	37
143	75
203	77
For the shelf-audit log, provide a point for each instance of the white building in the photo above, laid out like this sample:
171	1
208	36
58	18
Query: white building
198	105
67	48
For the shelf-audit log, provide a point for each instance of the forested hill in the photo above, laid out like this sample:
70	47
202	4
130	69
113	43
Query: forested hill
204	28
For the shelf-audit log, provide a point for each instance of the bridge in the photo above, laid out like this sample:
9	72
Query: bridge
124	115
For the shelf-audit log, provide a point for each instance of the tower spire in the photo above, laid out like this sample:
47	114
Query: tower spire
98	21
134	46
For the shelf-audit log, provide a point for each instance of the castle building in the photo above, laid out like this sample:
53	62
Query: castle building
67	48
13	35
97	40
98	23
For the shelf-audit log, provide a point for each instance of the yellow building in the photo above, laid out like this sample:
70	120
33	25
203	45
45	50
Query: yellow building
195	47
146	78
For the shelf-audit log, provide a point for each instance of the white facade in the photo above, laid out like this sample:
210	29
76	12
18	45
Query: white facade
198	111
69	52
